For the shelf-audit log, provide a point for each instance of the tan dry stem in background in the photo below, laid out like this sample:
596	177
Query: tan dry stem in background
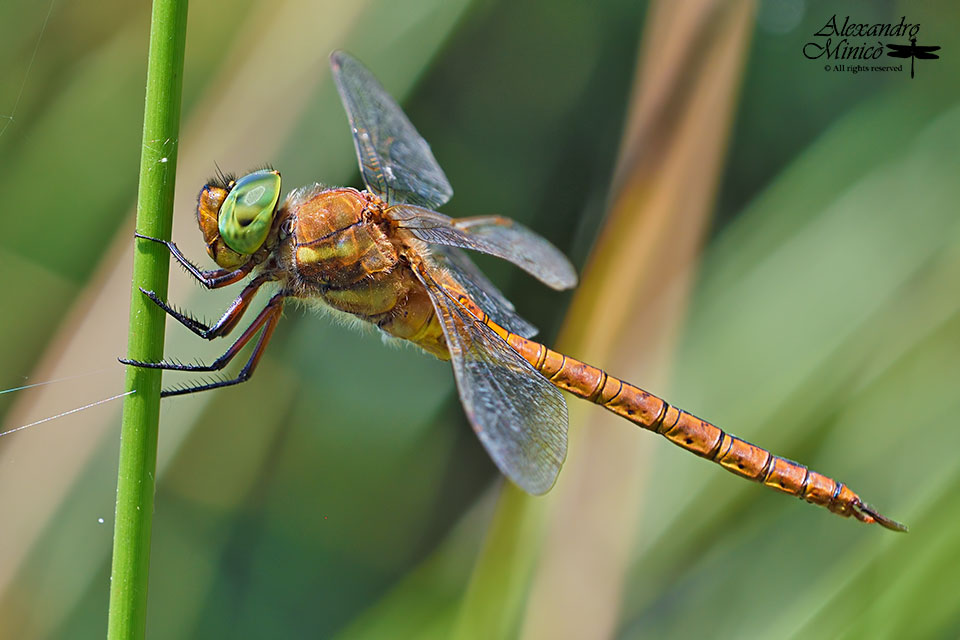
632	299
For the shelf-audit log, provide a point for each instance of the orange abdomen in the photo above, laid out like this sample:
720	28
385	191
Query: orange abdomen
686	430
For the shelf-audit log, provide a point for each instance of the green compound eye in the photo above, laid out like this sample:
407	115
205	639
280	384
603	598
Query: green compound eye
247	212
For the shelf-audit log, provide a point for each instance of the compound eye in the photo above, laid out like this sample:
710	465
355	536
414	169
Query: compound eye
247	212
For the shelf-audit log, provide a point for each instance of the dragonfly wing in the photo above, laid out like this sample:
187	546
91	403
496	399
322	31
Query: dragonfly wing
396	162
899	51
496	235
520	417
476	285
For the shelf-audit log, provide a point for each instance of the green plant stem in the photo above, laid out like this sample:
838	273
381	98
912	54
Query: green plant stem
141	410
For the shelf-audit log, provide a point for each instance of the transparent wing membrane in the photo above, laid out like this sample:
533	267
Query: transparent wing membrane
495	235
518	415
396	162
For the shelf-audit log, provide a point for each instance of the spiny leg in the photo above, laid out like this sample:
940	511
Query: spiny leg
244	374
229	319
267	320
272	308
213	279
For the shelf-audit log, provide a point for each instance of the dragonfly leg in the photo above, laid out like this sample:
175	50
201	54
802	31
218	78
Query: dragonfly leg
227	322
213	279
266	320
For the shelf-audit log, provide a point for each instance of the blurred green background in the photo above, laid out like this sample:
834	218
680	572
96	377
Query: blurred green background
342	493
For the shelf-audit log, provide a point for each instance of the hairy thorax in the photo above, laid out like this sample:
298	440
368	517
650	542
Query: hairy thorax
345	253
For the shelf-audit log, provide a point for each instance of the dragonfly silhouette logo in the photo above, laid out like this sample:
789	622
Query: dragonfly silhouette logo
912	51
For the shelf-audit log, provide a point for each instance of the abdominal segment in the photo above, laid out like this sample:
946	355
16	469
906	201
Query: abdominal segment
398	305
414	319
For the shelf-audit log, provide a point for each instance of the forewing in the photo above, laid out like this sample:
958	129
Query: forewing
476	285
519	417
496	235
396	162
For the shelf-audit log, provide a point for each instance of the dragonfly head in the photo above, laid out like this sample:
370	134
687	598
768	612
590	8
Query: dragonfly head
236	216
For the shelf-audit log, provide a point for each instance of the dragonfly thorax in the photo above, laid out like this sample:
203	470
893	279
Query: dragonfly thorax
339	237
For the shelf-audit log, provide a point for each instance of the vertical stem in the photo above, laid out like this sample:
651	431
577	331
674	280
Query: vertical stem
141	410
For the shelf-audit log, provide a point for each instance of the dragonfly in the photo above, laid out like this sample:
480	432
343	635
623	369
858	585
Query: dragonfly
913	51
384	255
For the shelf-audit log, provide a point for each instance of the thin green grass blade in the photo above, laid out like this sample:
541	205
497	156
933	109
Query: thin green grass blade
141	411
